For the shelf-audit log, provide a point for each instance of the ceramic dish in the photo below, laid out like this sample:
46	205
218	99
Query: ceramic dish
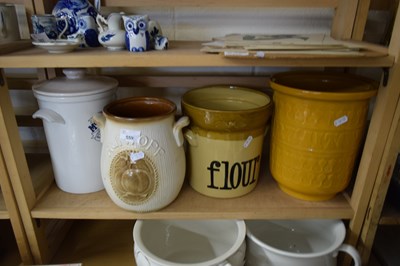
58	46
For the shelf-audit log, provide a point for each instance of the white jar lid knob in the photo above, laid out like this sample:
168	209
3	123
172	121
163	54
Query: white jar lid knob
74	73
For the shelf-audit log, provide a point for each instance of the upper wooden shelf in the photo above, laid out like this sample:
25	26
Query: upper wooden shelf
187	54
224	3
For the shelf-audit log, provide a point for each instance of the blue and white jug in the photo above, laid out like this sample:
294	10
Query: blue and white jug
143	34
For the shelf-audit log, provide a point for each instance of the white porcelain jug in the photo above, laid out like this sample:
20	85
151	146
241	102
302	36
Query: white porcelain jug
142	158
67	105
111	31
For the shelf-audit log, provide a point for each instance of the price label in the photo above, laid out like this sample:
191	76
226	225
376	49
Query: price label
129	136
340	121
136	156
248	141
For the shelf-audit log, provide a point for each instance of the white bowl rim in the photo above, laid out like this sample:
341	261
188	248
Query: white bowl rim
333	247
238	243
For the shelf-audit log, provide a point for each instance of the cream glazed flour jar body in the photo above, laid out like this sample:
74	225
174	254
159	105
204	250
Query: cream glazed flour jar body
142	159
67	105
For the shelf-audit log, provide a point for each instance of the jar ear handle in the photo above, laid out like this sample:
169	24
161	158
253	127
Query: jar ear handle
49	116
177	130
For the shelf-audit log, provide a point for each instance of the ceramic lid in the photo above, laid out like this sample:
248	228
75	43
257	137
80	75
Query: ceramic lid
75	83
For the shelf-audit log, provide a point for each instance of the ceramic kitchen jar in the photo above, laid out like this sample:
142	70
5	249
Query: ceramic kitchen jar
318	126
142	159
67	105
225	136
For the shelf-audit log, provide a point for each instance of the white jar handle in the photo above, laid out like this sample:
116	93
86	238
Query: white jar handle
177	129
352	252
49	116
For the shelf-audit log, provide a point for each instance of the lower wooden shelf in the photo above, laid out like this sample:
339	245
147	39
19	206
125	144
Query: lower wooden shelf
98	242
266	201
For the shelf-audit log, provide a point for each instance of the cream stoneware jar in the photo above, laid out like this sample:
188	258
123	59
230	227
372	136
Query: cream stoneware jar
142	158
189	242
67	105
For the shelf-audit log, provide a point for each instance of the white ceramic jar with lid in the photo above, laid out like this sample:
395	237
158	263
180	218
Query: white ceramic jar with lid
66	105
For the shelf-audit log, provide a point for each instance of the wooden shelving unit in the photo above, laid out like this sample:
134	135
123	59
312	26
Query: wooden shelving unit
45	211
14	245
3	210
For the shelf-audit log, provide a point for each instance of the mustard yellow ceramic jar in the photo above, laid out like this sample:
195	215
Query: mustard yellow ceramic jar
318	126
225	137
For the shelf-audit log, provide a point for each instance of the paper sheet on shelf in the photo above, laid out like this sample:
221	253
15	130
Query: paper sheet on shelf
257	45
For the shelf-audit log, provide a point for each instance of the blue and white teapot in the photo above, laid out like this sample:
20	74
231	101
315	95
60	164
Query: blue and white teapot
73	10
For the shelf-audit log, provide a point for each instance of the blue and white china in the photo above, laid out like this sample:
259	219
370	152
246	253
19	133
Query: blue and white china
47	23
160	43
87	31
111	31
141	34
72	10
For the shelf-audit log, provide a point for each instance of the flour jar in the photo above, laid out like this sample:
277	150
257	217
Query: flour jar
142	160
225	137
66	105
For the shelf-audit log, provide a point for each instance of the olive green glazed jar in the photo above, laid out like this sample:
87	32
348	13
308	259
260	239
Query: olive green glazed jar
225	137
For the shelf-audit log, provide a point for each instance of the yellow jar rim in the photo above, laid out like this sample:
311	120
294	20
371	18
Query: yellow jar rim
324	85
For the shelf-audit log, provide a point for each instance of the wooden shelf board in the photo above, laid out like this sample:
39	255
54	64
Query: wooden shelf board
224	3
186	54
266	201
100	242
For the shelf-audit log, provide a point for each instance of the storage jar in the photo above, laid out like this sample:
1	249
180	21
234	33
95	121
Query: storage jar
142	160
225	138
318	126
67	105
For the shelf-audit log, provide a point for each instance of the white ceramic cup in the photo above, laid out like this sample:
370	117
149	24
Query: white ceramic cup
296	242
189	242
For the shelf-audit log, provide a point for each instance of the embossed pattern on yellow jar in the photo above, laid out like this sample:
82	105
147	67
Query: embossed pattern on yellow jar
318	127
